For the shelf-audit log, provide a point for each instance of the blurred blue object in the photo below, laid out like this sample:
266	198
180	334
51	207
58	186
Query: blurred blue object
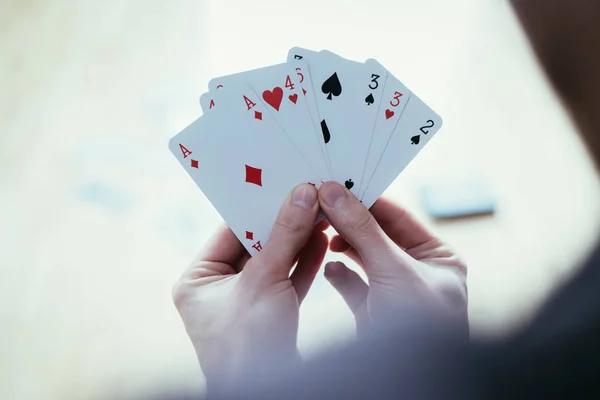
458	199
107	196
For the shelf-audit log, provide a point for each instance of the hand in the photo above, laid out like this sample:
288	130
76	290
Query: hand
242	313
413	276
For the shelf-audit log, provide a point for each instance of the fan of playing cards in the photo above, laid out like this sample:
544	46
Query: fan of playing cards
315	118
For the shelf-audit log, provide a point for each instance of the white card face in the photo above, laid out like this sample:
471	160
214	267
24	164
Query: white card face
242	161
348	96
306	81
206	102
280	89
395	97
418	125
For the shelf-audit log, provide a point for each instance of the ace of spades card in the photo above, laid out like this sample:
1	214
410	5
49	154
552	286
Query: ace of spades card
244	164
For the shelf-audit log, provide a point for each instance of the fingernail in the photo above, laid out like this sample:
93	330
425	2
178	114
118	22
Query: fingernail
332	193
305	196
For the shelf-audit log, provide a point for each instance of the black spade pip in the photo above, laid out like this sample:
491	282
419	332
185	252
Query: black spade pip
332	86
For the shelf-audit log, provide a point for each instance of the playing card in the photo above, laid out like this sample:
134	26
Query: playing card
206	102
348	95
281	90
242	161
317	117
307	88
303	73
418	125
395	97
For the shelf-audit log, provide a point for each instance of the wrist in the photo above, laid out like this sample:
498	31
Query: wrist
228	361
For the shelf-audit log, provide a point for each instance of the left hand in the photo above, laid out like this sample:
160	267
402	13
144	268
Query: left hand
414	277
241	313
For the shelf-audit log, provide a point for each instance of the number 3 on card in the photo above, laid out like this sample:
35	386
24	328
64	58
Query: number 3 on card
396	97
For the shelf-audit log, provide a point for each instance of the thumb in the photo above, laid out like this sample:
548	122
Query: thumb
291	231
347	282
353	222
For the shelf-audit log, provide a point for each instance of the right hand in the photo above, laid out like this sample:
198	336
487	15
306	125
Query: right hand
412	275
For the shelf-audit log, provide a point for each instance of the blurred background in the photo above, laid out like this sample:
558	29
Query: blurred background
97	219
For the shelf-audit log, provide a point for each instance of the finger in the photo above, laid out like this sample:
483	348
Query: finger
347	282
311	258
290	232
241	262
353	222
220	256
222	247
339	245
401	226
321	225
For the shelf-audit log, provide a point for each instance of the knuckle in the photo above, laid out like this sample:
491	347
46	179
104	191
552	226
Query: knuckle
441	249
455	261
443	254
460	265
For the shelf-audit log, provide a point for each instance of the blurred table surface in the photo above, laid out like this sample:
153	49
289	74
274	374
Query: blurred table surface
98	220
